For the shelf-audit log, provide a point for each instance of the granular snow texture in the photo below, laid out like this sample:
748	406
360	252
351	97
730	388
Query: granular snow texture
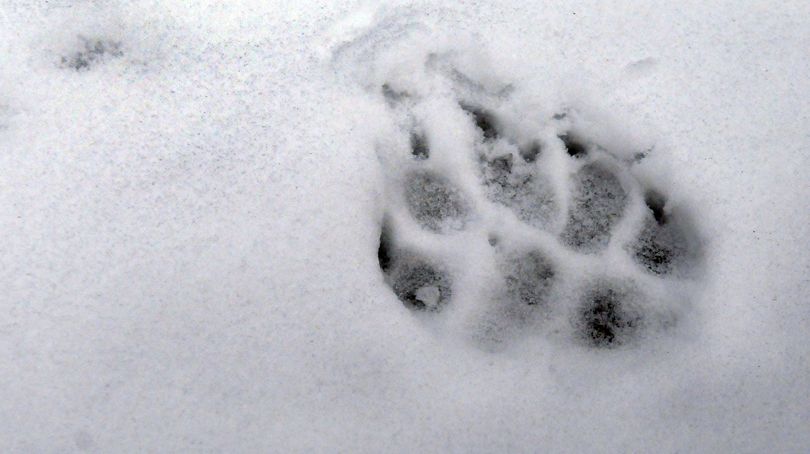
257	226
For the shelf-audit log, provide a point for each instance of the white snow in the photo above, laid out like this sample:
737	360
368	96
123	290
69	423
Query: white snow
190	227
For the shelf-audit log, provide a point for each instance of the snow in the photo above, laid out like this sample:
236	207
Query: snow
191	220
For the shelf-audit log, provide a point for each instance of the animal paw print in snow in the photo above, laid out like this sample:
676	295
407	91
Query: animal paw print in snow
550	228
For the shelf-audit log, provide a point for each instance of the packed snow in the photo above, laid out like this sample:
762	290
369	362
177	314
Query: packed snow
258	226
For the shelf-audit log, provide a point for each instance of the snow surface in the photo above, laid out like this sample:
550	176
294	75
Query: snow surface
192	195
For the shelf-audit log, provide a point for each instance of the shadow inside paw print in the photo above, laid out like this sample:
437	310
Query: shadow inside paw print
606	318
434	202
93	51
419	146
531	152
484	121
573	146
509	175
598	204
662	245
418	282
529	277
522	303
519	187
